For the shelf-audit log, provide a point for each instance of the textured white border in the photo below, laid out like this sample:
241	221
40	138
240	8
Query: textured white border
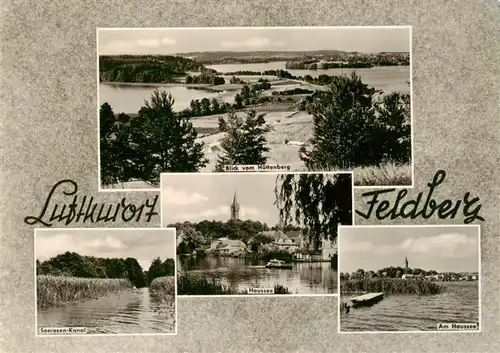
37	335
218	175
101	189
416	226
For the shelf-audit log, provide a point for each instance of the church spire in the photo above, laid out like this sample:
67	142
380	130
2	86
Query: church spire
406	261
235	208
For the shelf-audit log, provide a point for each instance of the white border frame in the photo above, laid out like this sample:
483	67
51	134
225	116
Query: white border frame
218	175
101	189
479	285
37	335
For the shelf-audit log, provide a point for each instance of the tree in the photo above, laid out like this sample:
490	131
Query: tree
352	127
245	140
215	105
155	270
343	122
166	142
109	166
238	101
316	202
205	106
135	273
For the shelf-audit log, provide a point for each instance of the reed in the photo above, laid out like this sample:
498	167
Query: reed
279	289
56	290
390	286
165	285
386	174
188	284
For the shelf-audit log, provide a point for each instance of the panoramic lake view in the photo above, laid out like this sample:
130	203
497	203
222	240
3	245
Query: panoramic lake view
134	311
240	274
458	303
128	98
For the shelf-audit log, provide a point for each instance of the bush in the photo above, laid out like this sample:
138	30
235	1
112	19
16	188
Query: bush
165	285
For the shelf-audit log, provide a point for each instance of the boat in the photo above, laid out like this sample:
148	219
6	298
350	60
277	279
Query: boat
278	264
367	299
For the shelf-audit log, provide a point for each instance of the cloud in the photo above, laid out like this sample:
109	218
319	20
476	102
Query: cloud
175	197
448	245
154	42
106	243
353	246
252	43
219	212
250	212
124	46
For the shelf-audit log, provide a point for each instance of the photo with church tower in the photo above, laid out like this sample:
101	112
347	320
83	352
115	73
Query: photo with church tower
257	233
409	278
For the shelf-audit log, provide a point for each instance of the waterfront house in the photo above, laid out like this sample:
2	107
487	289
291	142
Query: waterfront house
408	276
229	247
281	241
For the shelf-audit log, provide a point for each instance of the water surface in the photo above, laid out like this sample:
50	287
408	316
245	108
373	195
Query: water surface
241	274
126	312
458	303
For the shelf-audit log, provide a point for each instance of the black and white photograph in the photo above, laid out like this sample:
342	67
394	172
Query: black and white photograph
409	278
254	99
94	281
256	233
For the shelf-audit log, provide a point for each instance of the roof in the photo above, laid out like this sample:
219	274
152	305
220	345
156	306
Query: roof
225	242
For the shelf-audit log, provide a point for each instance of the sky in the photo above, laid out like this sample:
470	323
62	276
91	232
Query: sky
181	40
197	197
443	249
145	245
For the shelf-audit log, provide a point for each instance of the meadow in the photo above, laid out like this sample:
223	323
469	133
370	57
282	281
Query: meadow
56	290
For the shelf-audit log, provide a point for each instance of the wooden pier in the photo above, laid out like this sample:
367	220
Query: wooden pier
367	299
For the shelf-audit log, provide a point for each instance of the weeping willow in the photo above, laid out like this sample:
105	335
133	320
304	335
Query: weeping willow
316	202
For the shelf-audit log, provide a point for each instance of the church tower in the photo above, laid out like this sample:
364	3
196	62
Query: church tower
235	208
406	262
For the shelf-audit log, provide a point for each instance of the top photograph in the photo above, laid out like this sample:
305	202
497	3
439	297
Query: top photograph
254	99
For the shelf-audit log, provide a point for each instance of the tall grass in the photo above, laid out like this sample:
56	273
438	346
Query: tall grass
165	285
387	174
188	284
55	290
390	286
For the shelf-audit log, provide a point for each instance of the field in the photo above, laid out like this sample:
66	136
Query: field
165	285
390	286
55	290
291	127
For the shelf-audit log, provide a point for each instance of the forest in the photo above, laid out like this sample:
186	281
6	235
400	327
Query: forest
71	264
145	69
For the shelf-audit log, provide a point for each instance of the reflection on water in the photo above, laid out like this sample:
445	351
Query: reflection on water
137	311
240	274
459	303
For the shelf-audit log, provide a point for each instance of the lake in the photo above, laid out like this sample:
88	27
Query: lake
129	98
386	78
240	274
459	303
126	312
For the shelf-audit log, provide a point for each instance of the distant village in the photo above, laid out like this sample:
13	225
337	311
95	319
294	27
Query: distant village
407	273
279	239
